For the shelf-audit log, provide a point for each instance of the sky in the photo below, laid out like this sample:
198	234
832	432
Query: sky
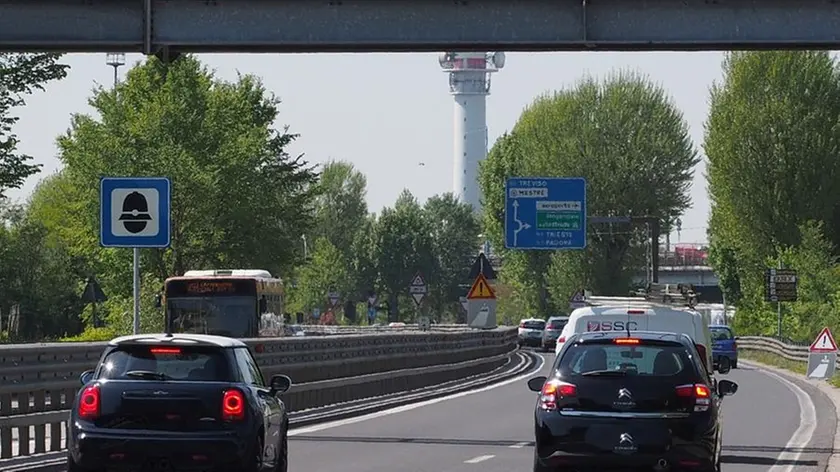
387	113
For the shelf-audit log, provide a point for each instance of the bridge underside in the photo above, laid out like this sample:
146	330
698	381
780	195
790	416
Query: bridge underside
151	26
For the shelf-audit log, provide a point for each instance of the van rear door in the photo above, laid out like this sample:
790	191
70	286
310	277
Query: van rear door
613	319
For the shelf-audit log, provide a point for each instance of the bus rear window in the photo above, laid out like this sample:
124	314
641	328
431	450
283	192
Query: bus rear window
165	363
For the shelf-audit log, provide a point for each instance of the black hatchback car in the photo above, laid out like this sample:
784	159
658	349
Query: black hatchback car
615	402
182	402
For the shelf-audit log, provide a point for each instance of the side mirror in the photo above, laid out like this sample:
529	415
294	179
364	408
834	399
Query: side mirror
86	377
280	384
157	301
727	387
723	365
536	384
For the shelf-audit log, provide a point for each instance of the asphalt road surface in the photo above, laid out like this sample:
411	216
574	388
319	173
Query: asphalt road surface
765	430
770	425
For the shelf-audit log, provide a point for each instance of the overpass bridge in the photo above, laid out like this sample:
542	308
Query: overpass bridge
169	27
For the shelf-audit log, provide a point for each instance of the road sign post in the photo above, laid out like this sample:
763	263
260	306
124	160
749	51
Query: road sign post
545	213
578	300
417	289
134	212
481	304
780	285
822	356
333	296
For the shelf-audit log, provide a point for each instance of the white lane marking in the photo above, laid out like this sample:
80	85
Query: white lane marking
807	425
413	406
518	445
476	460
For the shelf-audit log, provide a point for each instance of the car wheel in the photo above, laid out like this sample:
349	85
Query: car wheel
72	466
283	460
735	364
539	466
254	460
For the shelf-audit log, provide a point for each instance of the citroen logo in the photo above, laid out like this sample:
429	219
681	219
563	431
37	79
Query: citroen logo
626	445
160	392
625	394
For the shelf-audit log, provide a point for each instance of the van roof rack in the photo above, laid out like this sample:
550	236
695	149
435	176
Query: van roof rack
672	294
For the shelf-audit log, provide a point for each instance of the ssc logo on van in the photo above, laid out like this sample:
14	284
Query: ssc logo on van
596	326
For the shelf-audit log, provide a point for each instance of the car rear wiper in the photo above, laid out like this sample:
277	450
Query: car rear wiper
610	372
146	375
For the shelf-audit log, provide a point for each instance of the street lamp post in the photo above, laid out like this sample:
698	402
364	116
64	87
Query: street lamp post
115	60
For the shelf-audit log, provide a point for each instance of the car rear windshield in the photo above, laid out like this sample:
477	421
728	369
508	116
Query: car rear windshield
165	363
534	325
720	333
646	359
557	324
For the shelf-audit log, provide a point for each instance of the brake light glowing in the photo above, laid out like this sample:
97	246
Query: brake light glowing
165	350
554	390
626	341
701	394
233	405
89	402
636	312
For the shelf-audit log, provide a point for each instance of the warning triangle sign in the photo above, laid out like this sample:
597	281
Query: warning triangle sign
578	297
824	342
418	280
481	290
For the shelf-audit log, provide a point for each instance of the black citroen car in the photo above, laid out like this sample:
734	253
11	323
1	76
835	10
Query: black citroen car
182	402
618	402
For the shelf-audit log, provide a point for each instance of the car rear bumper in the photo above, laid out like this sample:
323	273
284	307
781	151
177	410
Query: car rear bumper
529	341
597	443
96	448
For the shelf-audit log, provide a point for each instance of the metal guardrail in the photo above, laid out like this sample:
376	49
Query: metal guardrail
38	382
791	352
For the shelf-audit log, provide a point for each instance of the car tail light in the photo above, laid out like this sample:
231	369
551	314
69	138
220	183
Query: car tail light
701	394
561	339
626	341
734	346
636	312
522	325
554	390
165	350
233	405
89	402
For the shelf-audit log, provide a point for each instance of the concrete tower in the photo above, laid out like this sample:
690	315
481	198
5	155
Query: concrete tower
469	84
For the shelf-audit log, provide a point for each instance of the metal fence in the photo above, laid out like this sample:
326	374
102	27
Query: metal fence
786	349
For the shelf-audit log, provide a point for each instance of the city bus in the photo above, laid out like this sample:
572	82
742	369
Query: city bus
233	303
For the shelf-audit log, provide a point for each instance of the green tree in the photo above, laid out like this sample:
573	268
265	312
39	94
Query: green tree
38	275
772	139
238	198
20	75
631	143
403	247
454	229
325	269
340	206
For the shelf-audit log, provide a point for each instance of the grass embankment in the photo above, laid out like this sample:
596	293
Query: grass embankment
782	363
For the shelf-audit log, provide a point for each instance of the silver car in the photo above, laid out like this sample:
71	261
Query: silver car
530	332
553	327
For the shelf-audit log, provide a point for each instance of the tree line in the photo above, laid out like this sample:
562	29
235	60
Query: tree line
239	200
771	142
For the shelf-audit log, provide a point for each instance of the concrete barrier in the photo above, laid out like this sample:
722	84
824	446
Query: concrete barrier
38	382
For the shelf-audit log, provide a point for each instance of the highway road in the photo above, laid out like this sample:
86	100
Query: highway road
766	430
770	425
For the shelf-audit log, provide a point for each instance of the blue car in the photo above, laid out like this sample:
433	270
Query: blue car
724	345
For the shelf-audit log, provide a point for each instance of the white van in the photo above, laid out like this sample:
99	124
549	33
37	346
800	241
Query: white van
638	314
